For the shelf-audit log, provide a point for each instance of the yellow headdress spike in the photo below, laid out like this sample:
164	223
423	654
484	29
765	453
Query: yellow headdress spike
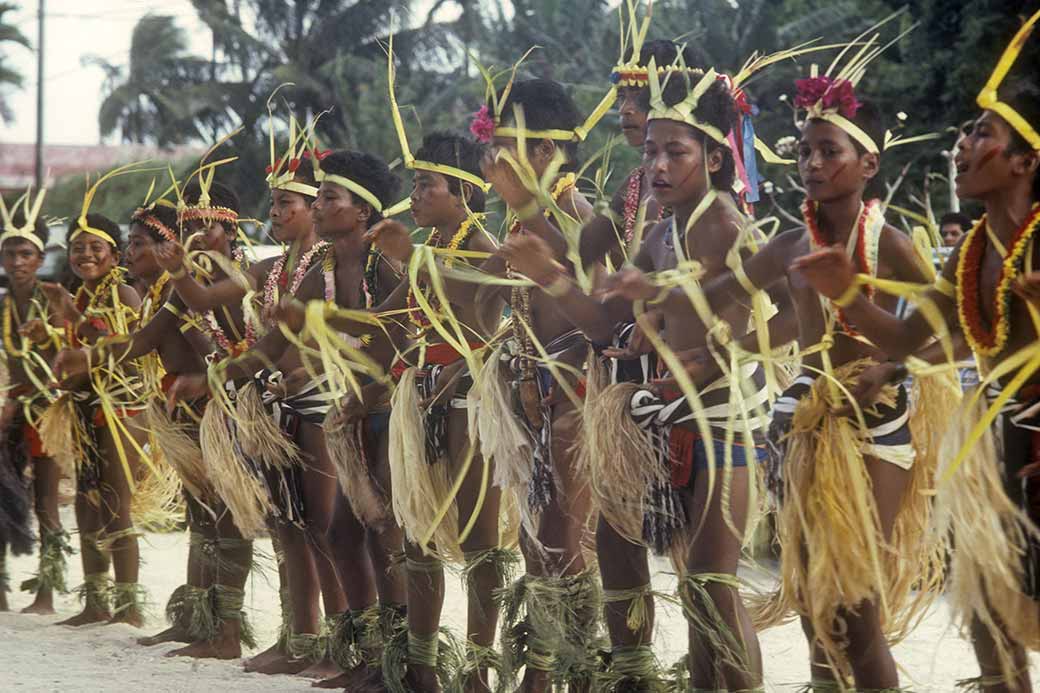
684	110
988	99
281	172
633	36
202	209
487	124
406	153
831	97
82	226
31	213
145	213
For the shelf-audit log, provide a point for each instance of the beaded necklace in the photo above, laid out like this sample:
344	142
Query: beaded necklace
154	298
862	249
368	276
278	278
216	332
633	200
991	340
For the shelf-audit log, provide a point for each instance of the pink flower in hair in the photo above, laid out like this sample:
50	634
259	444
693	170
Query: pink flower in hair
482	126
843	97
808	92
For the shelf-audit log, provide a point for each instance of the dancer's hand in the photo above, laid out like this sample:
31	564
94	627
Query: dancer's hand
1027	287
638	343
392	239
170	256
35	330
60	301
290	312
503	178
630	284
185	387
532	257
698	363
70	363
349	411
867	388
448	383
828	270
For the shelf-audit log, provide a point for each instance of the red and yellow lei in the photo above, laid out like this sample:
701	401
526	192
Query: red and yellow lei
859	255
990	340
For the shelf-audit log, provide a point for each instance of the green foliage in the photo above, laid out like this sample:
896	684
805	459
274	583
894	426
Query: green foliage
333	52
9	77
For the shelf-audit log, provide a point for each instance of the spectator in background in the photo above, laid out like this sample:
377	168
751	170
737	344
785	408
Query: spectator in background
952	226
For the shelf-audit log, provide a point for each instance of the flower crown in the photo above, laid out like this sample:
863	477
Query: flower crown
145	217
819	94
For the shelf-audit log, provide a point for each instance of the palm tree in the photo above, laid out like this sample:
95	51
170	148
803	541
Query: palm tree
149	100
9	78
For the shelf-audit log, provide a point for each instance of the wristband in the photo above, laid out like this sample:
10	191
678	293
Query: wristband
744	281
850	295
179	274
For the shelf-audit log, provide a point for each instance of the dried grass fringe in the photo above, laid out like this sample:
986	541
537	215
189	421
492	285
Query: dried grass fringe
990	535
828	526
369	502
240	490
179	445
420	486
57	429
157	504
621	461
258	434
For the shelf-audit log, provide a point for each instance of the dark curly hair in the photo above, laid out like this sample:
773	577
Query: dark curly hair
101	223
40	228
716	107
1024	97
547	106
366	170
458	151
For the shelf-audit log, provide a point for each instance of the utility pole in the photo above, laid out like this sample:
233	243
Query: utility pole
39	99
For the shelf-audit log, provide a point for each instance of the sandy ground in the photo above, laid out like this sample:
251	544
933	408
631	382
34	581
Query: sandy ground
38	656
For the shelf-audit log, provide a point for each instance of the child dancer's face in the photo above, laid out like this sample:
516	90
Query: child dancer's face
91	258
675	161
433	203
829	164
140	253
21	261
633	105
983	162
290	215
337	212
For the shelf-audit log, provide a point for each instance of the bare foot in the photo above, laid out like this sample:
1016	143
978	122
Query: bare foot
222	648
284	665
171	634
320	670
43	605
88	615
360	678
262	659
130	617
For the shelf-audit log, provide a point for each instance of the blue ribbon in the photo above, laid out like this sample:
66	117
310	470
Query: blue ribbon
750	163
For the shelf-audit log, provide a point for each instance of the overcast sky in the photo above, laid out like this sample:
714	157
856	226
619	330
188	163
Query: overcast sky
74	30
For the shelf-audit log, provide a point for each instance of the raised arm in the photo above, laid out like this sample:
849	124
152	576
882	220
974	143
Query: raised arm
831	272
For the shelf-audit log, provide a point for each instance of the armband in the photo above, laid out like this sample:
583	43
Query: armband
850	295
945	287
